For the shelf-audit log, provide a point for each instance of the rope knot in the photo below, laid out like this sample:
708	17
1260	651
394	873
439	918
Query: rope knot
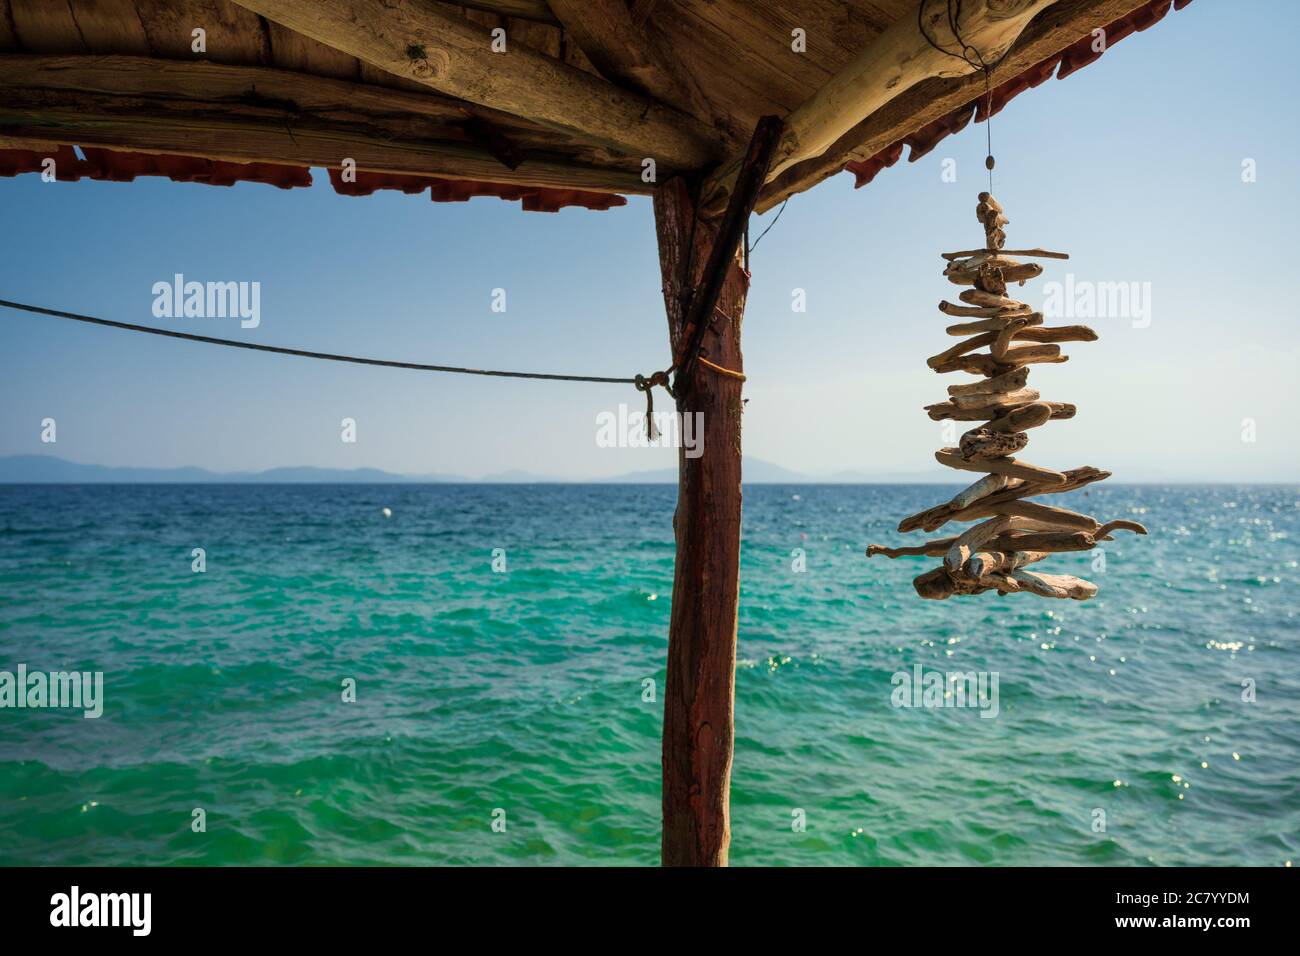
647	384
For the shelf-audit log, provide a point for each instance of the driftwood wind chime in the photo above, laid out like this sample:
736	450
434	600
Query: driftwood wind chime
1013	532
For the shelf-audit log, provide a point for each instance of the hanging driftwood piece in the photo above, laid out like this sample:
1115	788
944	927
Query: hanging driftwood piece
1011	532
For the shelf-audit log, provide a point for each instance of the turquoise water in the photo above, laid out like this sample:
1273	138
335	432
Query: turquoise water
523	690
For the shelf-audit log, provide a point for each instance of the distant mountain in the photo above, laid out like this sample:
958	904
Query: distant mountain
515	477
47	469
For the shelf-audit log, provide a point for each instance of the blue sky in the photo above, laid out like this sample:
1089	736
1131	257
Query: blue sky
1133	166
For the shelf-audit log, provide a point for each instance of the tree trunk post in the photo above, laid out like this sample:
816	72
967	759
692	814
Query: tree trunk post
704	287
700	683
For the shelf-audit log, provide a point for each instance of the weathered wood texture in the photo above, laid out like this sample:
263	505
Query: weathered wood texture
420	41
634	56
538	10
245	114
893	63
1013	532
701	314
704	293
699	689
1055	28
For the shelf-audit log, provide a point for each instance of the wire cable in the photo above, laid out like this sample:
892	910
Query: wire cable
304	353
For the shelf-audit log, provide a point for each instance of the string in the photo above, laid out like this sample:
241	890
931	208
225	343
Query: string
325	356
749	248
954	15
643	383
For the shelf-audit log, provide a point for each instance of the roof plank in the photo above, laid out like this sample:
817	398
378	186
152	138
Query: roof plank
537	10
46	26
293	51
1049	33
451	54
605	31
109	26
231	34
245	114
894	62
8	40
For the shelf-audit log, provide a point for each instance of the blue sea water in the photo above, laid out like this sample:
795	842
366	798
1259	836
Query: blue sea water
525	691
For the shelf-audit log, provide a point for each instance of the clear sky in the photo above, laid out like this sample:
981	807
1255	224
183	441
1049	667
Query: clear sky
1133	165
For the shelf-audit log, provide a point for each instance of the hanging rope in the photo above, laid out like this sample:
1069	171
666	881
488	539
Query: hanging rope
643	383
647	385
748	247
303	353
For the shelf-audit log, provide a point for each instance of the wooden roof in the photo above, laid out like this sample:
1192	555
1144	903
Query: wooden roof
584	93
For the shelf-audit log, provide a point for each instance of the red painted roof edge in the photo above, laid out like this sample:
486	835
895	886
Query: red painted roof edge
534	198
64	165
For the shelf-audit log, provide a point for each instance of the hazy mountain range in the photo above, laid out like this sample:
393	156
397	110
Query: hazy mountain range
47	469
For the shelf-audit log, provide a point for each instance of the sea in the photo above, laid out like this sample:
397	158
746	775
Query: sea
473	675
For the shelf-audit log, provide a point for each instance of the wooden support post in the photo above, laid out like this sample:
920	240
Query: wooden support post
704	291
700	684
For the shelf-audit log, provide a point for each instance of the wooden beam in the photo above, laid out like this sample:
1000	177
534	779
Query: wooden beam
605	32
895	61
259	114
420	41
622	51
641	10
1059	26
538	10
208	82
700	260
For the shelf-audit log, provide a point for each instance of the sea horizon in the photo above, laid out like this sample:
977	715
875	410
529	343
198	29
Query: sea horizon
29	469
604	482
